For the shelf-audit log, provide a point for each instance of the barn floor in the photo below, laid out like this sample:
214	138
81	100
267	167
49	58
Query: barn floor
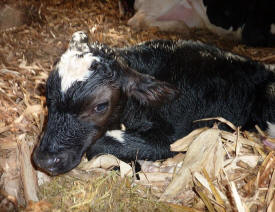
32	36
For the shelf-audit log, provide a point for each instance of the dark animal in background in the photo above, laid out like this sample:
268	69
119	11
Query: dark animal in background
251	21
125	6
156	89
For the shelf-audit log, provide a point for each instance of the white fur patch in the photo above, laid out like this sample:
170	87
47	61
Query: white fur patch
229	55
205	54
271	129
272	28
116	134
270	66
79	36
230	33
79	42
74	66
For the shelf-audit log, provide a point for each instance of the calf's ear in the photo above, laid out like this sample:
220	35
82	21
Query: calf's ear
146	89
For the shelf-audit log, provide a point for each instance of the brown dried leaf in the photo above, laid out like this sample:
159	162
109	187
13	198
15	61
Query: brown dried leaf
200	190
28	173
179	208
174	160
270	192
7	203
205	151
7	144
10	179
239	203
215	192
154	177
170	165
107	162
183	143
221	119
271	206
203	181
41	206
265	170
233	137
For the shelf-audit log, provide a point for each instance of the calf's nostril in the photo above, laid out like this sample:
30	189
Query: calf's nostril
56	160
51	162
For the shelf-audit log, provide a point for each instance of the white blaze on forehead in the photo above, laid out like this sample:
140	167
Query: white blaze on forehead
74	66
272	29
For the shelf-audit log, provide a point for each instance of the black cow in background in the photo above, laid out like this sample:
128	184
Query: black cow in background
156	89
251	21
255	18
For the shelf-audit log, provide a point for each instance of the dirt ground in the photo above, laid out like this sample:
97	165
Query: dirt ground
32	36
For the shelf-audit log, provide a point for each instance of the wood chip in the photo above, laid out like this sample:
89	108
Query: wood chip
28	174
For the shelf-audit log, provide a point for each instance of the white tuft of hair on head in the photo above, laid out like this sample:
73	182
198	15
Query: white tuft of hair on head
74	66
79	42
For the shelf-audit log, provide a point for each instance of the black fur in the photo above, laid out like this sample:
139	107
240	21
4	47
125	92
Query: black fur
253	16
160	88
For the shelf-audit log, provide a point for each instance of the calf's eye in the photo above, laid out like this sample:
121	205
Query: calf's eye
101	107
95	65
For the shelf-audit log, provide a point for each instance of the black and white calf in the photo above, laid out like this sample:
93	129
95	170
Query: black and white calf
252	21
155	89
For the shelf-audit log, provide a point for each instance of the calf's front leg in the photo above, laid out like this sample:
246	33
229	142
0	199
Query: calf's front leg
129	146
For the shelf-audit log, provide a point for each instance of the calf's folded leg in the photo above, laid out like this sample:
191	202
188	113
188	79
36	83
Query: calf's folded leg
130	146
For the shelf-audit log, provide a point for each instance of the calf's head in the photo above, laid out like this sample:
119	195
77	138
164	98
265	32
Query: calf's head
85	95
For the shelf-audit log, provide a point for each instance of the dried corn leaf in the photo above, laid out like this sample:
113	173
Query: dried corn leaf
107	162
10	179
220	119
205	151
183	143
7	144
179	208
239	204
250	160
41	206
271	206
28	174
171	165
7	203
154	177
203	196
216	193
203	181
265	170
233	137
271	189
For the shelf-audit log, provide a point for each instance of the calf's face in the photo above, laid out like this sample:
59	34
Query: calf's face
85	95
